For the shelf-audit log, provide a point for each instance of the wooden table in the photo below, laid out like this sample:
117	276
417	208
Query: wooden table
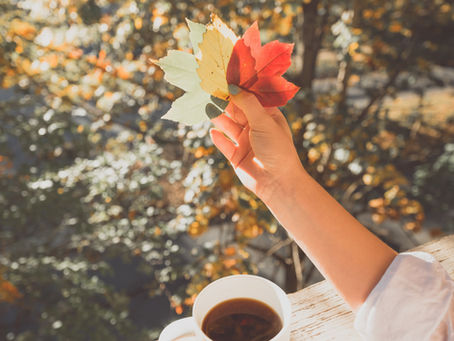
319	313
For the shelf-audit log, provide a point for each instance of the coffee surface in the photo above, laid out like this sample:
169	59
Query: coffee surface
241	319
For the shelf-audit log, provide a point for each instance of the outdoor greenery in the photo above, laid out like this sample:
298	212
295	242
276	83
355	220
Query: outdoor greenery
112	220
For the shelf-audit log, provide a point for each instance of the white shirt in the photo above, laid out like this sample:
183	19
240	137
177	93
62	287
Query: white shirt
414	301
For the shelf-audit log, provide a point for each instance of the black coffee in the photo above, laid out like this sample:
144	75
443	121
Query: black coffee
241	319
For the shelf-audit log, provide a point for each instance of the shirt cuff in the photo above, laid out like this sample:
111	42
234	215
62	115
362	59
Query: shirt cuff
409	302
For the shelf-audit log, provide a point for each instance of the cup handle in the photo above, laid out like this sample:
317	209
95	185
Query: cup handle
179	330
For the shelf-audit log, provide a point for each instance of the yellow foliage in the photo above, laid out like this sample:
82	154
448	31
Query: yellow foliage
367	179
228	263
143	126
216	49
138	23
368	13
51	59
413	207
284	25
378	218
445	8
226	178
19	48
8	292
75	53
122	73
196	229
229	251
202	151
179	309
352	48
218	24
375	203
395	27
248	227
8	81
23	29
190	300
413	226
313	155
354	78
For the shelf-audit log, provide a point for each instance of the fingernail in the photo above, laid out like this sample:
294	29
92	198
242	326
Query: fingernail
219	102
234	90
212	111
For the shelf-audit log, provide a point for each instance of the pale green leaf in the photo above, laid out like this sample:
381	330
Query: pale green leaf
196	32
180	69
189	108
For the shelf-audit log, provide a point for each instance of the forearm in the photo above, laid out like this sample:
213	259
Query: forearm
344	251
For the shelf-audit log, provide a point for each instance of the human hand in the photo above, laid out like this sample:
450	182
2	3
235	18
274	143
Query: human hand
260	147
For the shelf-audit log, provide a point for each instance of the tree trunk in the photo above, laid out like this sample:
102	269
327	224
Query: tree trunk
312	29
342	81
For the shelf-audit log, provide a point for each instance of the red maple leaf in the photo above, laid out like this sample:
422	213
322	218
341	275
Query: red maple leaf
259	69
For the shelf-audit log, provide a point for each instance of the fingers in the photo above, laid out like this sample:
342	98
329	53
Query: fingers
235	154
243	148
226	146
228	126
245	106
280	119
255	113
236	114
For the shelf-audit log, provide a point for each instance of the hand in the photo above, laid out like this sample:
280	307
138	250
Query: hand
260	147
264	158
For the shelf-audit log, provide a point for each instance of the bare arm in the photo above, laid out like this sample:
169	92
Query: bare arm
264	158
344	251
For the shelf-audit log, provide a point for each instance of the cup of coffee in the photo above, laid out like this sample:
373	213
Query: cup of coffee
235	308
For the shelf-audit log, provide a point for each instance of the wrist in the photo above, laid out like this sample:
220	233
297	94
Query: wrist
283	187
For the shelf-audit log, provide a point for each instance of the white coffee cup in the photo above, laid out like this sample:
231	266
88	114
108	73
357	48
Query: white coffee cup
226	288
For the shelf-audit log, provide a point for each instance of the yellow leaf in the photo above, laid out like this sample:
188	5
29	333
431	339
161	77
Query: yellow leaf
376	203
395	27
229	251
138	23
218	24
196	229
228	263
23	29
216	48
8	292
378	218
313	155
413	226
179	309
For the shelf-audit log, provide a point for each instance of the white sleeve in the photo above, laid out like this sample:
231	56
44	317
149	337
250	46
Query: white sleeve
414	300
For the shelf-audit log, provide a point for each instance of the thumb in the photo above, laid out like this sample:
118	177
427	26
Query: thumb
255	113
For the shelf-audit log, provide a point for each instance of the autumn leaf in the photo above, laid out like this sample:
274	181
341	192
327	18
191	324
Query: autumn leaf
259	69
189	108
180	69
220	59
252	39
218	24
216	49
196	32
272	58
22	28
241	66
273	91
8	292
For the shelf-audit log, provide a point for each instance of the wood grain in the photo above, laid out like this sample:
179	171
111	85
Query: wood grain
319	313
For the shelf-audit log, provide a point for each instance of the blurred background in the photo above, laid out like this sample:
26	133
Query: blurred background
111	220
